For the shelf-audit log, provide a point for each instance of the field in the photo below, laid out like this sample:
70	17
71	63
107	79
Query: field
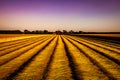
101	36
58	57
105	35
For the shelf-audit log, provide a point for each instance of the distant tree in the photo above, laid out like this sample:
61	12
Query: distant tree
45	31
17	32
27	32
58	32
40	32
71	32
80	32
36	32
65	32
33	32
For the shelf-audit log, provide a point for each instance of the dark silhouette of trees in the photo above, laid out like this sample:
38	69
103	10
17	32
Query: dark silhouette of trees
58	32
65	32
27	31
10	32
81	32
42	32
45	31
71	32
37	32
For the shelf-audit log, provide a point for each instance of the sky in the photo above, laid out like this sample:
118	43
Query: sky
52	15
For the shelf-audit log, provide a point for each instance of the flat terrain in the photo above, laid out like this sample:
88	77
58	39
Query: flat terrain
103	35
58	57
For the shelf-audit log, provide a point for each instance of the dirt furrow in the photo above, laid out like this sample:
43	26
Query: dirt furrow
59	67
110	44
6	58
12	67
84	68
19	43
12	49
3	44
97	45
107	53
35	69
107	66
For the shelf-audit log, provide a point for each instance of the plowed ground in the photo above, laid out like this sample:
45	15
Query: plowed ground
58	57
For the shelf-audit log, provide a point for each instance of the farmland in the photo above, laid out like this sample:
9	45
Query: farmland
58	57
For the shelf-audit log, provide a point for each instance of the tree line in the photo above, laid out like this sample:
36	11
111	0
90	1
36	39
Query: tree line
38	32
49	32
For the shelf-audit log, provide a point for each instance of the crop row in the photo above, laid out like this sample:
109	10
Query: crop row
109	43
58	57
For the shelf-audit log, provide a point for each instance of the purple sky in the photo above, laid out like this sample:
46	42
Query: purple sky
85	15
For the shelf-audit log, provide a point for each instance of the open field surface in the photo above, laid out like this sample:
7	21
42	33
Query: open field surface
103	35
58	57
12	37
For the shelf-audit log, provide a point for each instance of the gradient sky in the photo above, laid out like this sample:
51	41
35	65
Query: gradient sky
85	15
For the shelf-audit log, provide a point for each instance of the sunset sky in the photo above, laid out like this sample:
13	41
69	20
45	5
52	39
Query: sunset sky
85	15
